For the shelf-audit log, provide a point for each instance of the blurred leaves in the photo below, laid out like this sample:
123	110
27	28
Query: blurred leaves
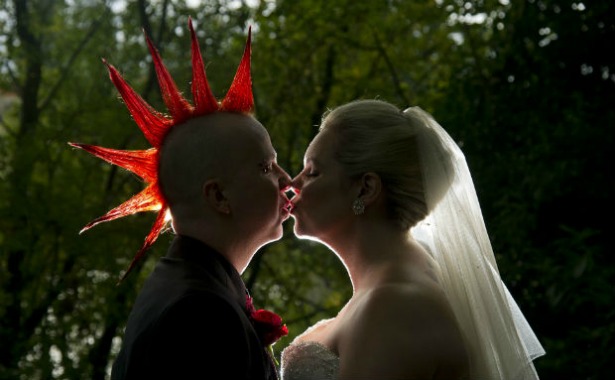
525	87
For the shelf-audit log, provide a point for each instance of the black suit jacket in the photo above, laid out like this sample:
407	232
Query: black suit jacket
190	322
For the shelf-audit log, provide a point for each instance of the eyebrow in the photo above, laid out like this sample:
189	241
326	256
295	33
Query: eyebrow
269	157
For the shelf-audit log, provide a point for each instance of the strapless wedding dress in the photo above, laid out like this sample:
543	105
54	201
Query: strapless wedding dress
309	361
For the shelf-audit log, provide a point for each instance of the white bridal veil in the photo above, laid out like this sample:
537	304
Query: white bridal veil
501	342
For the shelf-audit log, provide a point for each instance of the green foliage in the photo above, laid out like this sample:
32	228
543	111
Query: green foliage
536	131
525	87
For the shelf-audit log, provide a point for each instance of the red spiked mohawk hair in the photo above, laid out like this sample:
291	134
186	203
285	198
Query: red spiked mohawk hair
155	127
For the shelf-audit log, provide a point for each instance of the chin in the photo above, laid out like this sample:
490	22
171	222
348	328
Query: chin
278	234
301	233
275	234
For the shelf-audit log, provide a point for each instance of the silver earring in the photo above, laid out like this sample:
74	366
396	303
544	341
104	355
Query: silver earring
358	207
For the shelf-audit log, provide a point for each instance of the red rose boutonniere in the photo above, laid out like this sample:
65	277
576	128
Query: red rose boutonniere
268	325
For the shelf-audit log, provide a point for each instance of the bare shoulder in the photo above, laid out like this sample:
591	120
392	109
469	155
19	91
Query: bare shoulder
317	332
404	330
406	307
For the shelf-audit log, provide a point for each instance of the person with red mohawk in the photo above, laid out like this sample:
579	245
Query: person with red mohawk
212	173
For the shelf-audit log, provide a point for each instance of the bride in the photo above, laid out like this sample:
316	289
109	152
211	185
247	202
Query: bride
390	193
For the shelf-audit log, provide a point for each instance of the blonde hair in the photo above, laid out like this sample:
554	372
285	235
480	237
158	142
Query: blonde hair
375	136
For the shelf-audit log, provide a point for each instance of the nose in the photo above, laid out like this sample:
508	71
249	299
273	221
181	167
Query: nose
285	184
284	179
296	184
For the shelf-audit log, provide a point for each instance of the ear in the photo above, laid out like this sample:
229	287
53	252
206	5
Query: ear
214	196
370	187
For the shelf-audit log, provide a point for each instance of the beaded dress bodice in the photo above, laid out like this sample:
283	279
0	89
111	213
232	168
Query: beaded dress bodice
309	361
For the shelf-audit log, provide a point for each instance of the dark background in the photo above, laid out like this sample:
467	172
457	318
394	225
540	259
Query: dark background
525	87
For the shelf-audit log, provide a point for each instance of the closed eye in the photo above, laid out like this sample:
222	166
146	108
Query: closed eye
310	171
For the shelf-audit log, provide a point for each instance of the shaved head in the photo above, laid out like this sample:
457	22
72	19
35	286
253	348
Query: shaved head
203	148
223	185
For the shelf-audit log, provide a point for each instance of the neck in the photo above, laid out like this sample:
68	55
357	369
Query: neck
237	250
369	247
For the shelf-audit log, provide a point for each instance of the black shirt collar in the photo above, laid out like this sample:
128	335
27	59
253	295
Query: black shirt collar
197	252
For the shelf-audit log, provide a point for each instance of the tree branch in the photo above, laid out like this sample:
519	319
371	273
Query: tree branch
71	60
391	67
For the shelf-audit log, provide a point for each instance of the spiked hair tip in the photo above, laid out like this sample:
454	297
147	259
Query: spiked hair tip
156	125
